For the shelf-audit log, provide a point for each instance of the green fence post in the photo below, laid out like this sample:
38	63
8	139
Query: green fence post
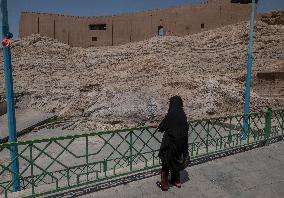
267	128
230	138
105	167
32	168
249	128
207	137
68	177
87	156
153	156
130	150
282	118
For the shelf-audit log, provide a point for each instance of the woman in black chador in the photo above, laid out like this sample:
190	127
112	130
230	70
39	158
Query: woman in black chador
174	148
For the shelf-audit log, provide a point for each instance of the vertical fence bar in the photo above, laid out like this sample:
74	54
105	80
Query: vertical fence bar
207	136
10	98
87	156
130	150
153	156
32	167
230	133
105	167
248	130
267	128
68	177
282	123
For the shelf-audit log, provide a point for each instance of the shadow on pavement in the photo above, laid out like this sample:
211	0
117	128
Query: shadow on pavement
184	176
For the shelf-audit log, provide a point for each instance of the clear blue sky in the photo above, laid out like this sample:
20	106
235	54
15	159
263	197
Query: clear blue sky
104	7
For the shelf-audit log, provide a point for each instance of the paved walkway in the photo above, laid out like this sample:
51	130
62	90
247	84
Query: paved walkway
256	173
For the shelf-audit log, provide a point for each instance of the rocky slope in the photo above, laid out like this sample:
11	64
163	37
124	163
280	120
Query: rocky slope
122	86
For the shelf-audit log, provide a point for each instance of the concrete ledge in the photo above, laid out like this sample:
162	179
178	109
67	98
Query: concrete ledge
270	75
3	108
26	120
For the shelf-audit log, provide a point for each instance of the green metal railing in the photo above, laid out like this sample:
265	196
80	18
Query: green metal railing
57	164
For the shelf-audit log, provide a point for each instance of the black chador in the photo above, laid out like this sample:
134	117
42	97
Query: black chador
174	148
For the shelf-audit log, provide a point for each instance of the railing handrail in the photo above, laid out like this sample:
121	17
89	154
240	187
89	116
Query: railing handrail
90	134
129	150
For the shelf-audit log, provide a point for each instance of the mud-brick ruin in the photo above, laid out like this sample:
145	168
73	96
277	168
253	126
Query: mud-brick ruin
125	28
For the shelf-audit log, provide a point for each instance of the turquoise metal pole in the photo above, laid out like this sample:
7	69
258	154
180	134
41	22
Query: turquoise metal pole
248	77
10	98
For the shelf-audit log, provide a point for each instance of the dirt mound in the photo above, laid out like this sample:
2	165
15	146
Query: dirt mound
122	86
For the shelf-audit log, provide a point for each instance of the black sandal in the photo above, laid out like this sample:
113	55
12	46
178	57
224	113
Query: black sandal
163	188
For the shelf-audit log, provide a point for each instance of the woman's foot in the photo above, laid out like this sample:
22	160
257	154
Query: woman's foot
162	187
175	179
164	184
177	184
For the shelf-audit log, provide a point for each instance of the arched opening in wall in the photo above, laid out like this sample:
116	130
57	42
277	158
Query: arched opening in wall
161	31
187	28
